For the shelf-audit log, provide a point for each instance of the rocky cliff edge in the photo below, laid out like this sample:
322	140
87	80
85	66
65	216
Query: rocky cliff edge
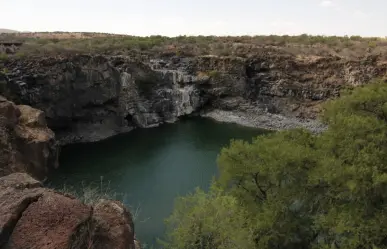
26	143
37	218
92	97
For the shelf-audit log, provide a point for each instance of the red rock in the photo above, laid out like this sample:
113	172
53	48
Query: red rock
33	217
113	226
54	221
17	192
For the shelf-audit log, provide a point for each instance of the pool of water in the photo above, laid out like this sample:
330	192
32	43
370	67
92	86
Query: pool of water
149	168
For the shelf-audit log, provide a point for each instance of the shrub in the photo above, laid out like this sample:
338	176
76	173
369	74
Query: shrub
3	56
214	73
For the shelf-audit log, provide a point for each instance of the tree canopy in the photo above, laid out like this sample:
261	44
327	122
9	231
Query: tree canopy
293	189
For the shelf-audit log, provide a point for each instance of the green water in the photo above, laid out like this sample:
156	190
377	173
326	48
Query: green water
151	166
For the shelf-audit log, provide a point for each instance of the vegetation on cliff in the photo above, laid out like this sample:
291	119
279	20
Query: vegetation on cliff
242	46
292	189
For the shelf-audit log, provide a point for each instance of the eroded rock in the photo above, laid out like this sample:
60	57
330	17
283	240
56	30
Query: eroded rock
34	217
113	226
17	192
26	143
53	221
89	98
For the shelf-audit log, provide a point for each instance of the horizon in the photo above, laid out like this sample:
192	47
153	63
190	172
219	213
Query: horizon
173	18
209	35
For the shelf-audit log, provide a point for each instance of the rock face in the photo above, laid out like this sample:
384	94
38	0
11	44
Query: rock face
87	98
52	221
113	226
17	192
26	143
37	218
91	98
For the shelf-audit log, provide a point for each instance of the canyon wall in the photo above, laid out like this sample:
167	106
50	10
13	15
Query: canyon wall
88	98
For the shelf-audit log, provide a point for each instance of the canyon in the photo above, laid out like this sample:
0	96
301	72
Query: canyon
53	100
92	97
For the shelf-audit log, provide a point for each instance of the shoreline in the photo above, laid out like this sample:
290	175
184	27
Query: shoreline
266	121
97	132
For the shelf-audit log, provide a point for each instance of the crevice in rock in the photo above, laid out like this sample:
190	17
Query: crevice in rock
83	236
249	71
8	228
130	120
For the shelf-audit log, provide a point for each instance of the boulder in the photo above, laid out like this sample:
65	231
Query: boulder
9	112
34	217
53	221
113	226
26	143
17	192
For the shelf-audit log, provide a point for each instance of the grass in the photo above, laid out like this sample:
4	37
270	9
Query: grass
241	46
91	194
212	74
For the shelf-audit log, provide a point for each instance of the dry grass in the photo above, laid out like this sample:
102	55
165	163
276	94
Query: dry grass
91	194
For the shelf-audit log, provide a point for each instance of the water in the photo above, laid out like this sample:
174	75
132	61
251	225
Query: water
151	166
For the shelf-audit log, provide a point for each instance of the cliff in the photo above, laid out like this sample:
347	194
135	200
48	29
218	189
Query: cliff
88	98
26	143
38	218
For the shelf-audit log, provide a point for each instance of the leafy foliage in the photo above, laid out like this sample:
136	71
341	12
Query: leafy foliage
212	220
354	169
293	189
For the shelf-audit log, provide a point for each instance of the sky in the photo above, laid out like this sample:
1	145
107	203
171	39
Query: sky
198	17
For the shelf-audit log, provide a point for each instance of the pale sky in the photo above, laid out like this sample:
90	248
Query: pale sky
198	17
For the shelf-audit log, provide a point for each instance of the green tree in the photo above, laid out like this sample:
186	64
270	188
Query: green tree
293	189
353	169
270	176
208	221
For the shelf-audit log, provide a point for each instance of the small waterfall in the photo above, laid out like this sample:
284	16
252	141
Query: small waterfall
185	96
125	79
185	105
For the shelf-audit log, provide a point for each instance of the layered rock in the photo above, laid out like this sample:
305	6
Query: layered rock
87	98
90	98
26	143
38	218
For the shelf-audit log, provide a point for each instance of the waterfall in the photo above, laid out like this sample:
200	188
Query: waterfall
125	79
185	96
185	106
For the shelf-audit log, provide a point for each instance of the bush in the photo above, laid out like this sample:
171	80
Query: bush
208	221
214	73
59	43
3	56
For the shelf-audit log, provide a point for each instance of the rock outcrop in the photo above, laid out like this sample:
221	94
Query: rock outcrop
113	226
26	143
38	218
87	98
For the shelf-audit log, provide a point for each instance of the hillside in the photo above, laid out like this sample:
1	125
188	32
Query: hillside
7	31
